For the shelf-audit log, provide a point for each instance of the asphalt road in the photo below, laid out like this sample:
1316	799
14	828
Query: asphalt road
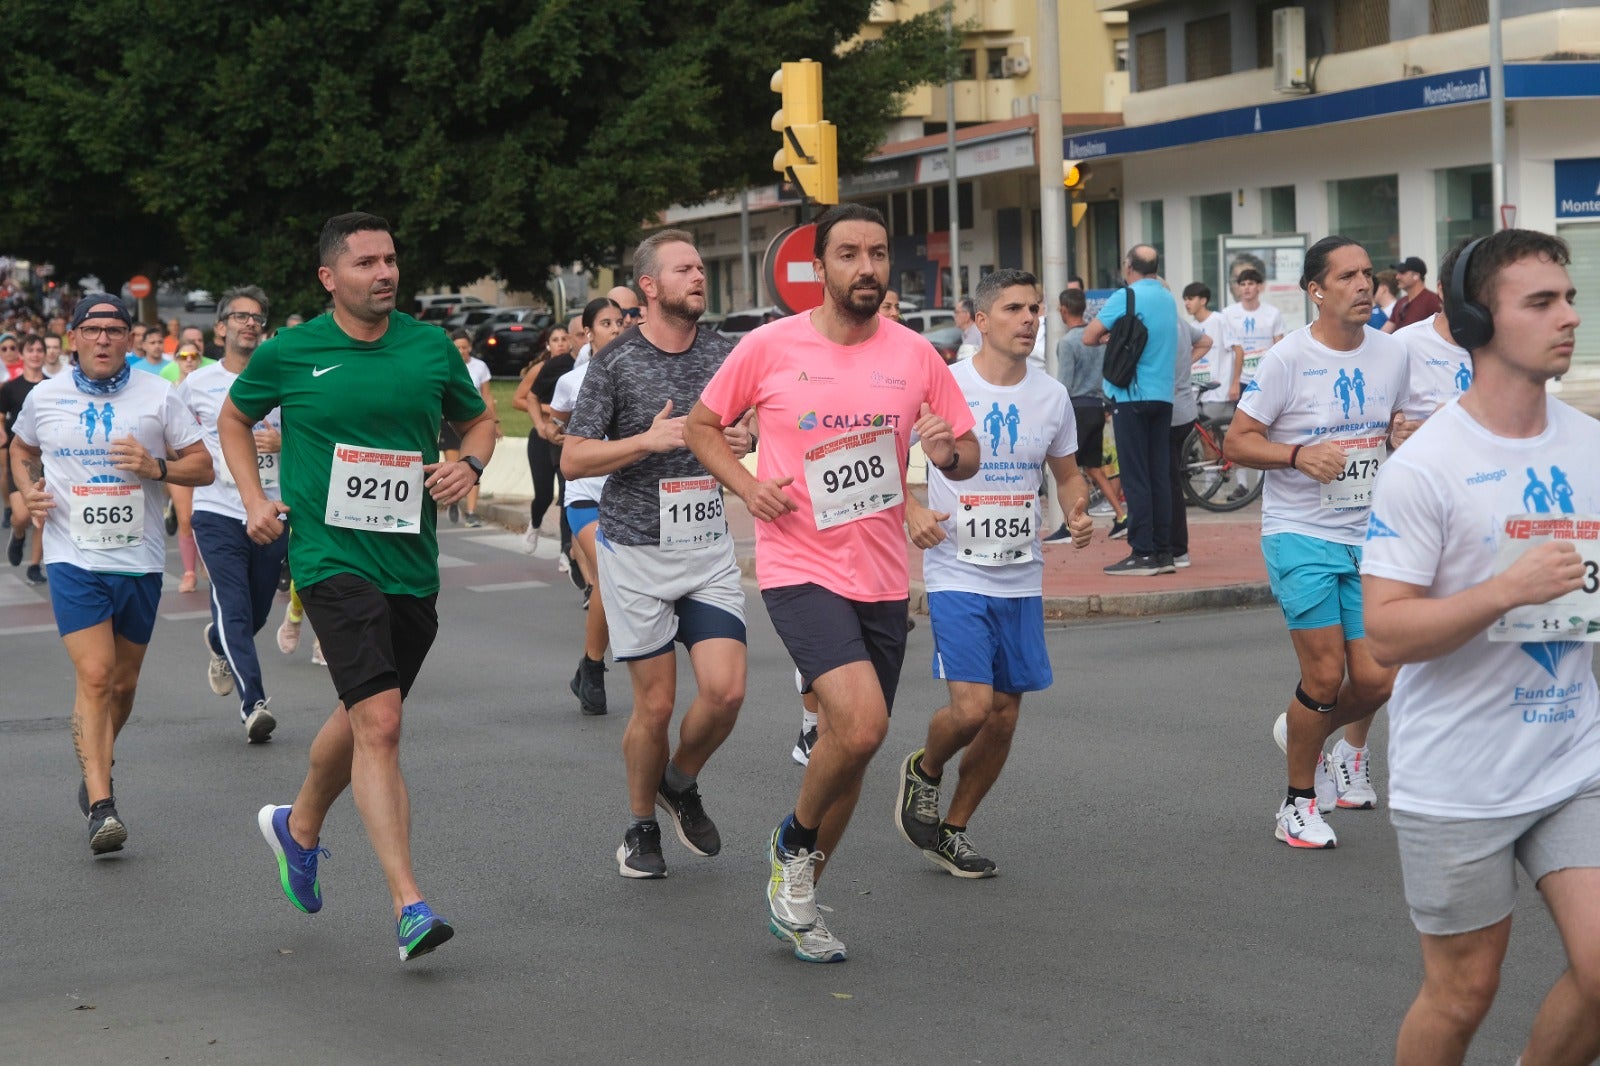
1144	913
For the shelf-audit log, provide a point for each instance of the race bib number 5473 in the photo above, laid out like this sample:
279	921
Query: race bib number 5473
1575	616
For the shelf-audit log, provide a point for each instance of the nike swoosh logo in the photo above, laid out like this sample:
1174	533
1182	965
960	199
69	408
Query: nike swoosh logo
317	372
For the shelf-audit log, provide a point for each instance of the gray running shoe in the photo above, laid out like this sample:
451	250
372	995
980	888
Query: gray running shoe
792	887
955	853
259	725
218	673
815	944
695	828
916	812
106	831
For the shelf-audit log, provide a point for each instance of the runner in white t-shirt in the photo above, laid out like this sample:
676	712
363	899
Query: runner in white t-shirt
1216	366
244	574
1320	417
1441	369
984	571
88	449
1481	562
602	322
1250	327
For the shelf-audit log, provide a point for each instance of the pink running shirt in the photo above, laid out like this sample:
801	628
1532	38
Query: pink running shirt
807	390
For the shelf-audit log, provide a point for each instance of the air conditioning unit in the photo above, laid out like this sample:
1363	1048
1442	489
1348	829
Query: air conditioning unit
1014	66
1289	50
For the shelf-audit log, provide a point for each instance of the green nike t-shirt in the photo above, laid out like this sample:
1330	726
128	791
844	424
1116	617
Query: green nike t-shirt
359	406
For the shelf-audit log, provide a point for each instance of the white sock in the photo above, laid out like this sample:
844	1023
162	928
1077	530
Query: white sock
808	721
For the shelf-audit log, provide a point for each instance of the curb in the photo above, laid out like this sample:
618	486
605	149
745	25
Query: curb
513	515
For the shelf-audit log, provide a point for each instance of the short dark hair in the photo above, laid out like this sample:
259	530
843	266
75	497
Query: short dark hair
1197	288
965	304
1502	249
994	284
460	335
1316	264
336	233
1142	264
1078	278
1248	274
843	213
1386	279
1074	302
1447	265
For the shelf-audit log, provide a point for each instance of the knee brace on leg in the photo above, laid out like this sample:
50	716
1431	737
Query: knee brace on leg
1309	703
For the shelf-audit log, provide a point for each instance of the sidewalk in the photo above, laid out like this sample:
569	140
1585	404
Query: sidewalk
1226	549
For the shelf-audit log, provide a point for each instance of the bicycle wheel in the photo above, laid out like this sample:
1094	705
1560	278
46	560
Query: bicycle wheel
1228	485
1202	473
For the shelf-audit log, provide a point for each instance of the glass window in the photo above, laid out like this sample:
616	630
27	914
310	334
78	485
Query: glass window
1119	54
941	205
1207	48
967	68
900	219
1360	24
1152	223
1463	201
1446	15
1584	240
996	69
919	211
1150	56
1211	217
1105	228
1367	210
1277	209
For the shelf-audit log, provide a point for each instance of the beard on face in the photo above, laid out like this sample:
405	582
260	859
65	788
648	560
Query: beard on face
856	302
681	309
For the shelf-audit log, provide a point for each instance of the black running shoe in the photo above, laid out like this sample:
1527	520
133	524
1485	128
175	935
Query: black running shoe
695	828
283	577
955	853
573	571
36	575
106	831
802	747
916	812
14	550
589	685
640	853
83	795
170	519
455	513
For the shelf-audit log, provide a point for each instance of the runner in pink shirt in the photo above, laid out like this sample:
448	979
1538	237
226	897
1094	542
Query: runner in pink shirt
838	393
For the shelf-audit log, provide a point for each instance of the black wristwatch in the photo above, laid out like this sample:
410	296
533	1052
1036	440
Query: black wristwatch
955	461
476	464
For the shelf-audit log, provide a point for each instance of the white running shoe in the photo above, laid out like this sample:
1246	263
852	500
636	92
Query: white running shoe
259	726
813	944
1300	825
563	565
1352	777
316	654
1327	789
530	540
288	636
218	675
792	888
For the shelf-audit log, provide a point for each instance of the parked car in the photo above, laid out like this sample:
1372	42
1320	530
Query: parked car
454	301
199	300
923	321
737	323
946	340
468	318
510	346
503	316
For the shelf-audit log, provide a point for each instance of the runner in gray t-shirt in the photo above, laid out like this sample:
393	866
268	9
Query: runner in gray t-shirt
627	387
667	569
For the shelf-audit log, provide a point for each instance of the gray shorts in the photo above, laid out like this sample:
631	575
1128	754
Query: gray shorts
649	592
1460	873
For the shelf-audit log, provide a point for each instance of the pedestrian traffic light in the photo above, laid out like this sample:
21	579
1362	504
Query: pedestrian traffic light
809	156
1074	176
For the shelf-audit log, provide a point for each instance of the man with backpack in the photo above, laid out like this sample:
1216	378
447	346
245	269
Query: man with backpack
1139	326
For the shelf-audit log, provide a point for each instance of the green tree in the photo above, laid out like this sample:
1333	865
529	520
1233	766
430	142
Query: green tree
497	136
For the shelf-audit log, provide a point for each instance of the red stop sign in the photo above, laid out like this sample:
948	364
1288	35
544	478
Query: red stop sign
139	286
794	285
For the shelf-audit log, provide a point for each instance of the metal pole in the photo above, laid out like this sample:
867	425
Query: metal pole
1052	197
1497	115
954	295
747	276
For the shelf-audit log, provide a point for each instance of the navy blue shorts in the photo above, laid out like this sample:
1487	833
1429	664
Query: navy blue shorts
83	598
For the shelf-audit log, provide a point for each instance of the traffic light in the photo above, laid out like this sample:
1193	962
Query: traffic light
1074	176
809	156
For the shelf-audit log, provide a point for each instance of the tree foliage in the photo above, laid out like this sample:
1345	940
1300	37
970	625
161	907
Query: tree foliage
497	136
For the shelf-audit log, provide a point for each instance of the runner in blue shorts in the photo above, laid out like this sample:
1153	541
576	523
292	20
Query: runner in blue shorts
88	449
984	573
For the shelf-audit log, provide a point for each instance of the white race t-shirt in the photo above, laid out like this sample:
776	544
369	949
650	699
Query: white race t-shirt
563	400
1251	330
1441	370
1018	427
478	371
1217	363
1306	393
202	392
74	431
1492	729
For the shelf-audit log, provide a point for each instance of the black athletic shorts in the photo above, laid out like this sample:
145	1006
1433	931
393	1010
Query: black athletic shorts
449	439
1091	435
824	631
373	641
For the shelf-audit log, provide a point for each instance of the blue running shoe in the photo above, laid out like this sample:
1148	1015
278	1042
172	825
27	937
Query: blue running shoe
297	866
421	931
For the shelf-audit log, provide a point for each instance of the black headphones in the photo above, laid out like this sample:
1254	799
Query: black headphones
1471	324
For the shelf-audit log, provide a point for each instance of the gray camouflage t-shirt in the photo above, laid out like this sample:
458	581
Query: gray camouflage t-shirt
627	386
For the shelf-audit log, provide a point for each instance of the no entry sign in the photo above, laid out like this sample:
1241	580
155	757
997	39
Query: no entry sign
794	285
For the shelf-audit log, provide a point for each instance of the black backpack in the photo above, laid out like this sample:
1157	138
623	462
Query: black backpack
1124	346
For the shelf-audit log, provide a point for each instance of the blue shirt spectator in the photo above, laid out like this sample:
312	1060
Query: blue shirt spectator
1157	366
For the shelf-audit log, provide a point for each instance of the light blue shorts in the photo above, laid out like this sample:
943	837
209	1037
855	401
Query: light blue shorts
84	598
1317	582
582	515
990	640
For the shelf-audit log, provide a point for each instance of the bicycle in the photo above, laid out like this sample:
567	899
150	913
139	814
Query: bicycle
1210	479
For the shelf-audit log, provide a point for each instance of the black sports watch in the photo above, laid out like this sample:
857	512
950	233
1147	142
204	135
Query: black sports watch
476	464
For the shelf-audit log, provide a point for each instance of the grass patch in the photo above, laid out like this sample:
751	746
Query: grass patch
514	421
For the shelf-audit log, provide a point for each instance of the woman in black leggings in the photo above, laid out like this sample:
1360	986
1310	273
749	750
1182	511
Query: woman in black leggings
544	443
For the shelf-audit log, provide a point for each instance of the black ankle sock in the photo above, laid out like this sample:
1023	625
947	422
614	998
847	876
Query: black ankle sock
795	837
916	768
951	827
1301	793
